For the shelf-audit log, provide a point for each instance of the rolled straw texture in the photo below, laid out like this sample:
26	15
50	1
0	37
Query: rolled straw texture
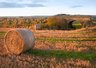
19	40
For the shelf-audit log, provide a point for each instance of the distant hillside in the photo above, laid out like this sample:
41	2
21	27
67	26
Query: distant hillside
67	15
30	21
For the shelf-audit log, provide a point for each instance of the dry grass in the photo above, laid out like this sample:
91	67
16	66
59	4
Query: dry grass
80	33
34	58
31	61
83	46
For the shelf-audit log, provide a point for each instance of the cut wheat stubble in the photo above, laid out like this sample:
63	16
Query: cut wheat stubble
19	40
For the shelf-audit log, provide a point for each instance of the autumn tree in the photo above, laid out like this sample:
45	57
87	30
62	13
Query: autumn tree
57	22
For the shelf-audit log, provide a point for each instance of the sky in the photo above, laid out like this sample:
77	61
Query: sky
47	7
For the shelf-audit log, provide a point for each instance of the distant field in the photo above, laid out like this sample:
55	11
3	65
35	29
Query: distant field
57	48
2	33
77	25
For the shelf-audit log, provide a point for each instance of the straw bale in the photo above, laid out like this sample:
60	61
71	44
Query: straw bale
19	40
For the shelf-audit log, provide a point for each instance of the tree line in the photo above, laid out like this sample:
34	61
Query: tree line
52	22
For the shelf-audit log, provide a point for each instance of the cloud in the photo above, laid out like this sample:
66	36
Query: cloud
31	1
36	1
77	6
34	5
9	5
18	5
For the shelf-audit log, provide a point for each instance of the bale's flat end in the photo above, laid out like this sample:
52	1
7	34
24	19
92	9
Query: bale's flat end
19	40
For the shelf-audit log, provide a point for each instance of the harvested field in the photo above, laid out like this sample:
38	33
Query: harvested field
55	49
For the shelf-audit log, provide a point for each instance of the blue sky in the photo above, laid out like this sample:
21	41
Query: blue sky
46	7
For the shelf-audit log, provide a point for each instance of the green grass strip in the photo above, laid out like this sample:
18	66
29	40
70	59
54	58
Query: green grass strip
2	33
63	54
64	39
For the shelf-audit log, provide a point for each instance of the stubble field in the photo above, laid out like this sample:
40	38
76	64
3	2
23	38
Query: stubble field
54	49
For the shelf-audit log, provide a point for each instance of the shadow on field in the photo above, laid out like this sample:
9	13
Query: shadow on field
63	54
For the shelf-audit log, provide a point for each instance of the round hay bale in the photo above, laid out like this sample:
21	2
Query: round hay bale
19	40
